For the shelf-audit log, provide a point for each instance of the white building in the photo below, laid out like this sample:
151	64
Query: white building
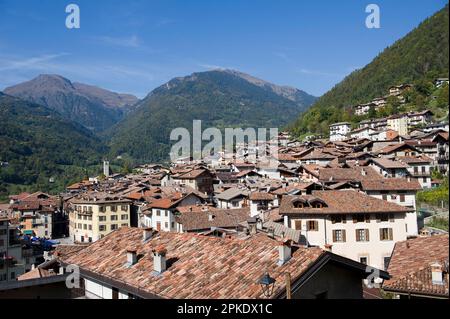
400	191
339	131
349	223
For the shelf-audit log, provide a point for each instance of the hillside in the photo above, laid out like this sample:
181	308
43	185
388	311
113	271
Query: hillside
220	98
37	143
96	109
418	58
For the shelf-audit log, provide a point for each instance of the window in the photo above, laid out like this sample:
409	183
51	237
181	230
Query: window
423	169
313	225
90	227
424	179
114	226
362	235
80	226
166	214
2	242
84	226
124	217
114	208
114	217
84	208
339	236
386	234
124	208
166	225
386	261
90	209
298	204
363	260
297	224
338	219
101	209
102	218
173	225
158	212
402	198
102	228
13	275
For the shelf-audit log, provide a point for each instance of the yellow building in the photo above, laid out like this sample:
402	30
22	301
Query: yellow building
398	123
93	217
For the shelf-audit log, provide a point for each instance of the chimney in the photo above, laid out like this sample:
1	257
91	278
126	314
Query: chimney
159	259
211	217
284	252
147	233
259	224
252	225
437	274
131	257
363	172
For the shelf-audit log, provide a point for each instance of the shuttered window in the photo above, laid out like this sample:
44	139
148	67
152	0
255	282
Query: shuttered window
362	235
313	225
297	224
386	234
339	236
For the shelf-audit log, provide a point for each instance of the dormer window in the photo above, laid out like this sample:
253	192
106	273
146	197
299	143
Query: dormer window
317	203
299	203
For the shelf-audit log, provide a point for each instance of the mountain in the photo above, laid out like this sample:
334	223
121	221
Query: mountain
418	58
220	98
95	108
36	143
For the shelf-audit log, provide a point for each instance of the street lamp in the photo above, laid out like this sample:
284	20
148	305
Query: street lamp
267	284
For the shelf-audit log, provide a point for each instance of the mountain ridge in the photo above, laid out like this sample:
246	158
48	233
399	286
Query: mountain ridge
218	98
93	107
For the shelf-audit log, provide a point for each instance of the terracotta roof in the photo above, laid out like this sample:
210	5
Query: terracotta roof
200	267
66	251
227	218
391	184
395	147
387	163
261	196
339	202
415	159
36	274
231	193
410	266
193	174
348	174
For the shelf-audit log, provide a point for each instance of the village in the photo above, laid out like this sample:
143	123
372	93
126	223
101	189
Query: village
237	227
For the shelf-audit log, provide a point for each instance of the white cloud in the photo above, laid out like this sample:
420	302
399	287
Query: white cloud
37	62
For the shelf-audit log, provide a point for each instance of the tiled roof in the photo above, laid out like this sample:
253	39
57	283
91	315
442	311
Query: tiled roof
410	266
261	196
339	202
347	174
391	184
387	163
226	218
199	267
415	159
395	147
232	193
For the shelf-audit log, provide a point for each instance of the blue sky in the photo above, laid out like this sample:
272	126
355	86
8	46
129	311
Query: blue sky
135	46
